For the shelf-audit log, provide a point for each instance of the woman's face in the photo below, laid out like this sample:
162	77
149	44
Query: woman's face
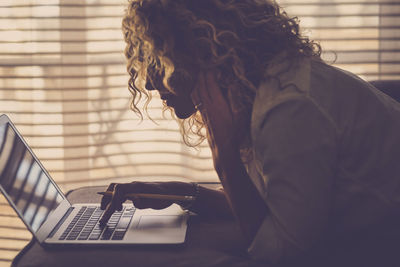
181	101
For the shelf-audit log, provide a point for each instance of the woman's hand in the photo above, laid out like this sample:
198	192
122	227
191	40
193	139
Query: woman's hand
120	191
208	203
223	125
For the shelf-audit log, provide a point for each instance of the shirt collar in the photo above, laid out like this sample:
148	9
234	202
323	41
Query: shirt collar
290	72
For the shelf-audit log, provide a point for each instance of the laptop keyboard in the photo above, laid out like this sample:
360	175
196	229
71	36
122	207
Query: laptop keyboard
85	225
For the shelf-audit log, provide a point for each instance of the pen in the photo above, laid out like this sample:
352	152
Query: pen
153	196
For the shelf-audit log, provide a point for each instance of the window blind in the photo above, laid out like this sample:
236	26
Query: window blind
361	36
63	82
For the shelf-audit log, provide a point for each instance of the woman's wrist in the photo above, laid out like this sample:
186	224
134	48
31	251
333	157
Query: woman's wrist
208	202
187	205
228	162
183	189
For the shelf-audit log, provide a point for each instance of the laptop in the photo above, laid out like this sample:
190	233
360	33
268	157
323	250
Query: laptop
53	220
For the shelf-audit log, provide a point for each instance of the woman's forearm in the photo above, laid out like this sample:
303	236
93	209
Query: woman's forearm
212	203
246	203
209	202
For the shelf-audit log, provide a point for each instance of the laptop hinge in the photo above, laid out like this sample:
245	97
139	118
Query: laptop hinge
55	229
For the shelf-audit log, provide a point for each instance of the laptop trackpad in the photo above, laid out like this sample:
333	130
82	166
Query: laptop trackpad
148	222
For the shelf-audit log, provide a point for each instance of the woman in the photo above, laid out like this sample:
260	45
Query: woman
304	151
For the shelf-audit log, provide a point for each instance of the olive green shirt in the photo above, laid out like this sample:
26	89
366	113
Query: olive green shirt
326	157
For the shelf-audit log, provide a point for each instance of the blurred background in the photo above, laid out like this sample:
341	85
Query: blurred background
63	82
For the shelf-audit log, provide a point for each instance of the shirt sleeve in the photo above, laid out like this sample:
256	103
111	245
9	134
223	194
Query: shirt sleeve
294	146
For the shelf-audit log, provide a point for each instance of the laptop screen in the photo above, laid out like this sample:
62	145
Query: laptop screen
22	178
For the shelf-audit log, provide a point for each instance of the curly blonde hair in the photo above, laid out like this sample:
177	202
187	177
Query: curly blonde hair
172	40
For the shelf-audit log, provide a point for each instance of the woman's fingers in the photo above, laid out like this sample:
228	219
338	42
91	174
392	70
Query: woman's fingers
106	198
195	95
207	93
203	93
117	199
121	193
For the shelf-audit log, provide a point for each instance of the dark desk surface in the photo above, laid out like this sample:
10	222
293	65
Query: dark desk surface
208	243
